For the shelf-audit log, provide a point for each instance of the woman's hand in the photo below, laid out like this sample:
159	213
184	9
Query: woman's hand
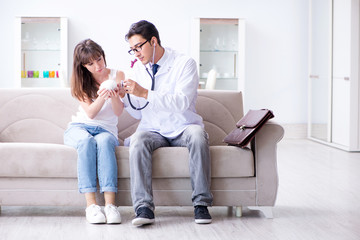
113	93
121	90
103	93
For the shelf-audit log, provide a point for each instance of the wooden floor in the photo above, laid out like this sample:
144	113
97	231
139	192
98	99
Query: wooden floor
319	198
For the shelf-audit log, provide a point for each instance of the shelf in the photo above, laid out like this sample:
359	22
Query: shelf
42	82
40	78
41	45
218	45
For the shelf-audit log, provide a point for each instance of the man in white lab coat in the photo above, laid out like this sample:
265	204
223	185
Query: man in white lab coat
163	95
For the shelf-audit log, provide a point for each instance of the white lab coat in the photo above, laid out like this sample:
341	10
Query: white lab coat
171	105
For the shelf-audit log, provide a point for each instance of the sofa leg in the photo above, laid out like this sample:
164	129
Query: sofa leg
267	211
238	211
230	210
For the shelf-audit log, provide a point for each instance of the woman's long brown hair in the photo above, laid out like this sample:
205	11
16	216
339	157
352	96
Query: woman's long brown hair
83	84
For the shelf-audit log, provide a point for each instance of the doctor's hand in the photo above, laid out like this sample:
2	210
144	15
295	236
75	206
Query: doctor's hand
135	89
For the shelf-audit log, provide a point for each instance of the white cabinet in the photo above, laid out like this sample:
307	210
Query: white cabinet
342	38
218	48
341	72
41	52
334	97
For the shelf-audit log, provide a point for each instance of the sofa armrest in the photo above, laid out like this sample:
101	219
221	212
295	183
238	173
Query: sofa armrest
264	147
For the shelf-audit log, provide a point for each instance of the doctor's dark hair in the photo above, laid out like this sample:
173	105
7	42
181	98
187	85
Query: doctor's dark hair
83	84
144	28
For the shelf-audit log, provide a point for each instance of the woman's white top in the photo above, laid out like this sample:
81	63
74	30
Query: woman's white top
105	118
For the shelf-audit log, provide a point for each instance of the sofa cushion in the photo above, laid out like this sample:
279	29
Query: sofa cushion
230	161
37	160
60	161
172	162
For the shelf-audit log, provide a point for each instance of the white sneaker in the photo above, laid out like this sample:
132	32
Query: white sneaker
94	214
112	214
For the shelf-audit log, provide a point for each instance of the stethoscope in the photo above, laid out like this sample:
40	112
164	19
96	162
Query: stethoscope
152	83
152	88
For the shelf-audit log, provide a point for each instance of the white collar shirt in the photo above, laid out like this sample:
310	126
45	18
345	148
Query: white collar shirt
171	105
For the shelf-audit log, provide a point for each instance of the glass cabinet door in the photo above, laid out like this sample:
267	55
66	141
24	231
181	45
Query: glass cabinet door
43	52
320	70
219	51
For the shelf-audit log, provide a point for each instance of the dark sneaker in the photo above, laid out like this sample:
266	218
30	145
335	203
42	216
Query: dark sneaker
144	216
202	215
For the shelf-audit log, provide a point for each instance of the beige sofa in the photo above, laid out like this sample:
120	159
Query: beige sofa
38	169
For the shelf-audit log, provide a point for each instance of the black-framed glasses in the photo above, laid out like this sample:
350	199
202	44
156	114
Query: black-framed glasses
136	49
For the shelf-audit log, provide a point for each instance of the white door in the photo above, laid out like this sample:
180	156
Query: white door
341	72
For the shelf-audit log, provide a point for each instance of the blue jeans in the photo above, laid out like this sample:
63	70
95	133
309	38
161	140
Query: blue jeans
96	157
142	145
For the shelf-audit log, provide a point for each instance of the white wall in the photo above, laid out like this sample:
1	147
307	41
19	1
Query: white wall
276	40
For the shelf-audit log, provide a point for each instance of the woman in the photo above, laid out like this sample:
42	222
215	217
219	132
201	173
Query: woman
93	131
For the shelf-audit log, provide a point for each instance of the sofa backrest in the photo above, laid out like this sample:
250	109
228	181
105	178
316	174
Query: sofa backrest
35	115
40	115
220	111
